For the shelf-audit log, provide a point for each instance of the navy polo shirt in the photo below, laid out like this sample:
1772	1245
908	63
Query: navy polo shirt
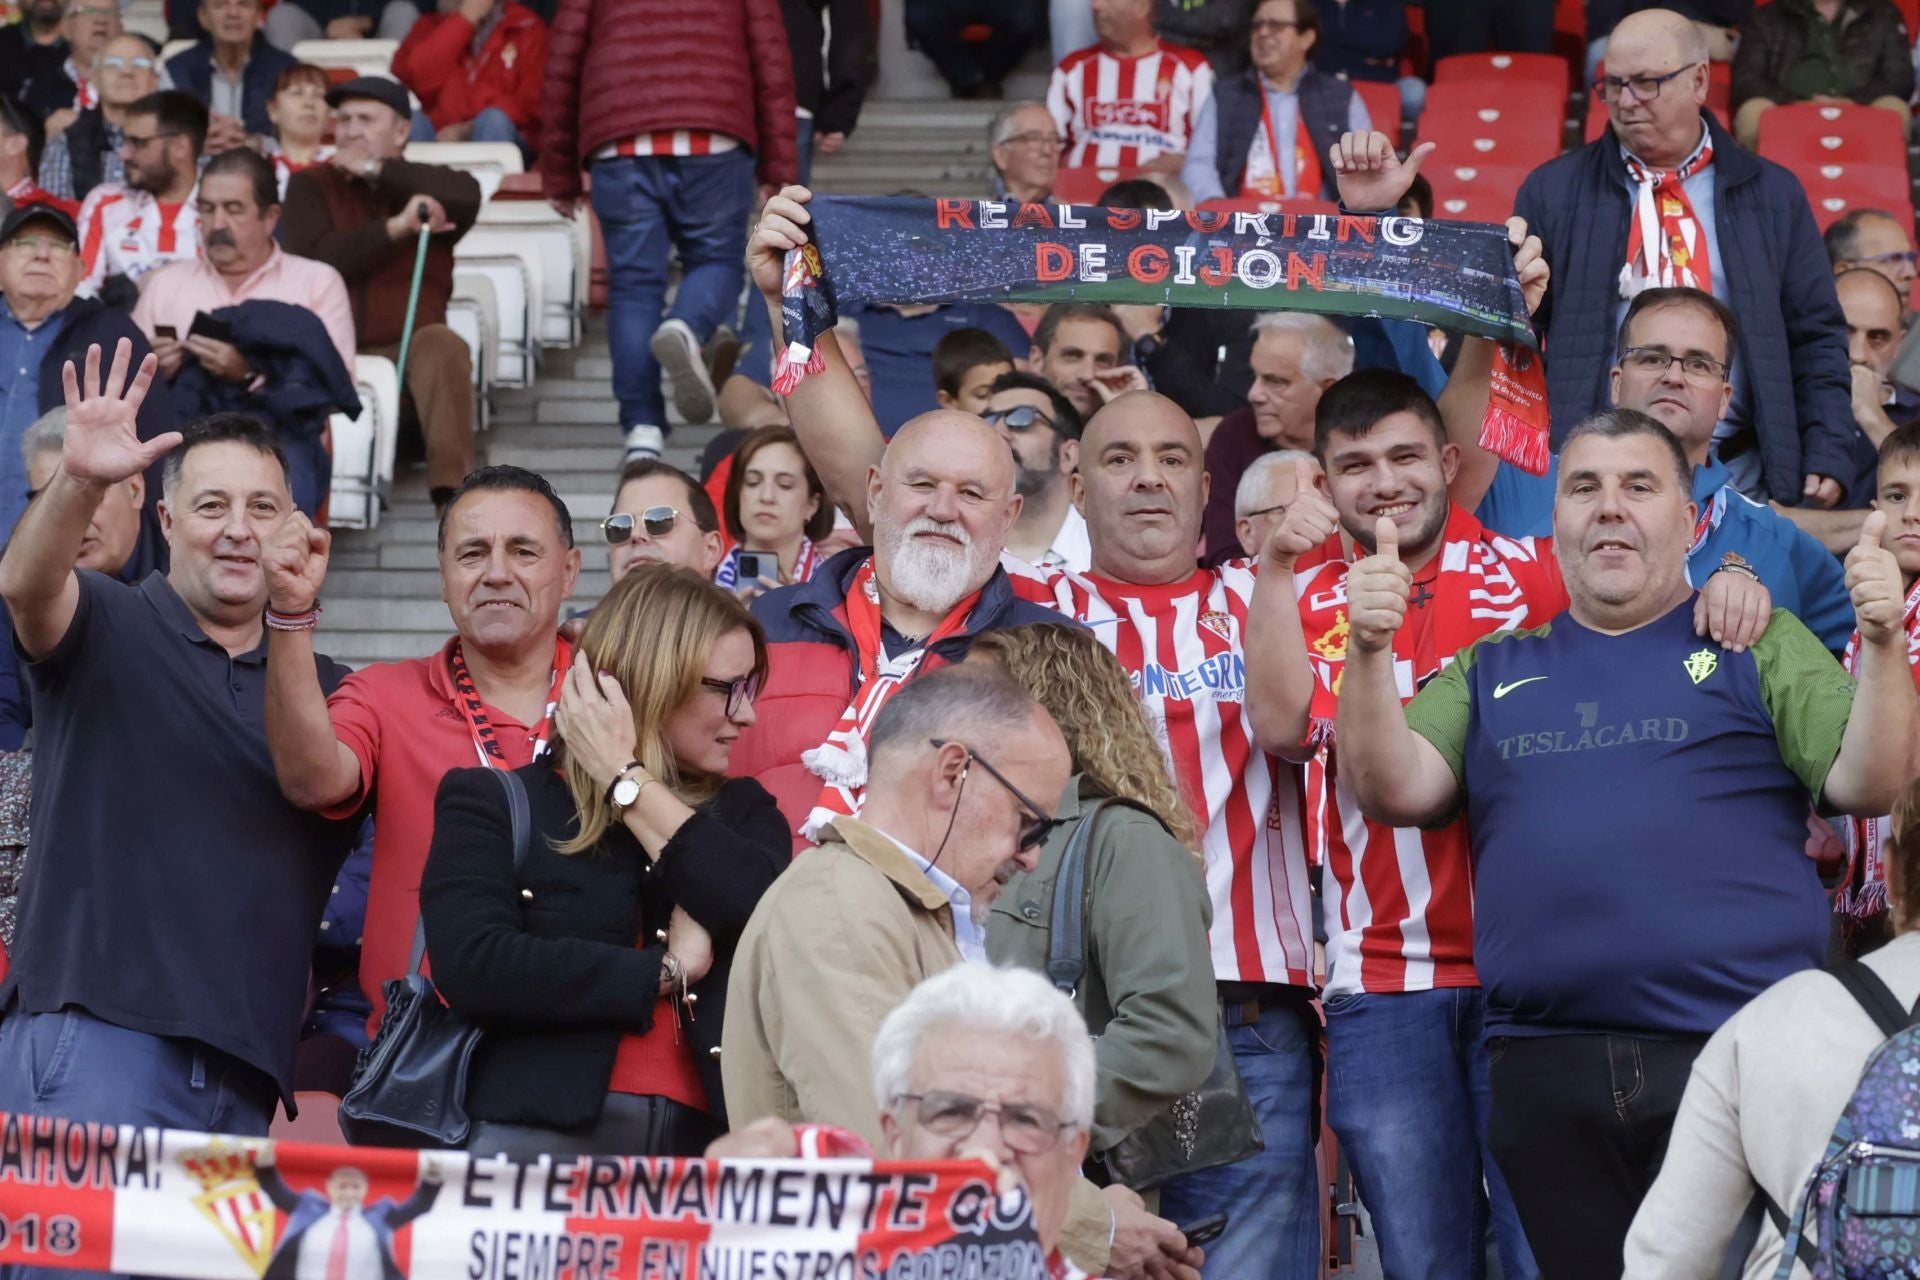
170	888
1639	806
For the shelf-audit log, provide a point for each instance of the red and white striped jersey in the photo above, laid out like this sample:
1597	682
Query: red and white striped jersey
1125	111
1182	645
126	232
669	142
1398	902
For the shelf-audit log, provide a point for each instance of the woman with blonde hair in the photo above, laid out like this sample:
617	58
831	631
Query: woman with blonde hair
595	961
1148	990
1766	1092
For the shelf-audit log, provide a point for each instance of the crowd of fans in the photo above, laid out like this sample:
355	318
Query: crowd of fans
1495	836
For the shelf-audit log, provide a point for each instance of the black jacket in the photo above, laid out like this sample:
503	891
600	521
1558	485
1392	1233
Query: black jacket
1793	336
192	72
547	962
87	147
830	77
1876	51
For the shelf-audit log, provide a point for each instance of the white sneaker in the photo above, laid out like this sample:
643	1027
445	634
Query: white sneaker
685	370
644	442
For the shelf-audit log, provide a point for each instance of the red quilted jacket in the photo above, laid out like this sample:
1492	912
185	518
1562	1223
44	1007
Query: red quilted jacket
620	68
454	86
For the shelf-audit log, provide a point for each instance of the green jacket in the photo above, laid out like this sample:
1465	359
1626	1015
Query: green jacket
1148	994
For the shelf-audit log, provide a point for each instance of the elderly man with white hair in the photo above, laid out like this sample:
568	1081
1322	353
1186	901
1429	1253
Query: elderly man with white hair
976	1063
1266	489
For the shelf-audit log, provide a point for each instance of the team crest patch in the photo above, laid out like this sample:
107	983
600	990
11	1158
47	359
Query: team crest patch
1220	624
1332	643
1702	663
231	1199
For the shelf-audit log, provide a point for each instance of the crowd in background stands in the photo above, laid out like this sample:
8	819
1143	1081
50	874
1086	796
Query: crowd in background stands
973	613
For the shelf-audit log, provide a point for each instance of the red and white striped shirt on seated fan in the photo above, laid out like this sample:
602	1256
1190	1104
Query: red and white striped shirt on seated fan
669	142
1125	111
1398	902
1182	643
126	232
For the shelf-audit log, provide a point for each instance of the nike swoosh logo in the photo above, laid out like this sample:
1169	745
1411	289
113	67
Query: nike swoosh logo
1502	690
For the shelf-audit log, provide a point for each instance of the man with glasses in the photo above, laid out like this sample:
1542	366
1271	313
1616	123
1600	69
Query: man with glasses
1025	147
57	84
1876	326
392	730
1042	428
42	326
661	515
1876	240
87	153
233	70
1265	492
126	231
1666	198
1267	130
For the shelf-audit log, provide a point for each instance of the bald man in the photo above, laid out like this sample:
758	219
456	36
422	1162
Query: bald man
1787	433
1876	325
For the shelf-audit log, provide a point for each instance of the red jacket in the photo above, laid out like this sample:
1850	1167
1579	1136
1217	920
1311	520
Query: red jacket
434	62
621	68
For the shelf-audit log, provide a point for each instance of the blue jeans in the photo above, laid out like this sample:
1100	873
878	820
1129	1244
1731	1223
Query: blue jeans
1407	1096
651	207
1272	1200
756	327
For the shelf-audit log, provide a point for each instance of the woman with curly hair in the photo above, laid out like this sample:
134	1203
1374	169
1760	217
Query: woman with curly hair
1148	993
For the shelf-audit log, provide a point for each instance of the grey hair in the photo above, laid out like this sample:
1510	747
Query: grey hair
965	703
1001	127
48	434
980	998
1253	481
1326	352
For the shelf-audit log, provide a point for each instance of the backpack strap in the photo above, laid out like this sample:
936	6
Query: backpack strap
1066	930
517	817
1865	986
1745	1236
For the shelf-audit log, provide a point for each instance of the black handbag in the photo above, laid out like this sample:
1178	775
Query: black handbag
410	1082
1213	1125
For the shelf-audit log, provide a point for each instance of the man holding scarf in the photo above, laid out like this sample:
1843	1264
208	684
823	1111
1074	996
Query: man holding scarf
1666	198
392	730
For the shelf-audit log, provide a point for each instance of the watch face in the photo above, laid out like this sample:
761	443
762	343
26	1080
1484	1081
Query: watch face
625	792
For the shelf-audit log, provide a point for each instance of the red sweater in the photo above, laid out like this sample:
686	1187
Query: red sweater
434	61
718	65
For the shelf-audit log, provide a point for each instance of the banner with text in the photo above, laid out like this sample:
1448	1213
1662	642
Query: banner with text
1454	275
164	1203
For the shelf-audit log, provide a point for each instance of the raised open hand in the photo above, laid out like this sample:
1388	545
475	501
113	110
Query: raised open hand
103	444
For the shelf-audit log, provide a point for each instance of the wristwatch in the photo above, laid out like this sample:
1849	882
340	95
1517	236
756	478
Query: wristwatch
626	789
370	168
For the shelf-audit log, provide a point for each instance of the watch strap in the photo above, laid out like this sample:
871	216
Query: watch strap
620	773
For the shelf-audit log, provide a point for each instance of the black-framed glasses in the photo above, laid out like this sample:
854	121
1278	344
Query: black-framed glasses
1034	834
1019	419
737	692
1264	511
657	521
1048	141
1027	1127
1645	88
1655	361
1271	26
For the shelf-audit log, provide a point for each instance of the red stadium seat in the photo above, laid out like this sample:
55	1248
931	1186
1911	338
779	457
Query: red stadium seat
1515	124
1383	105
1814	133
1083	184
1267	204
1833	189
1500	71
1475	193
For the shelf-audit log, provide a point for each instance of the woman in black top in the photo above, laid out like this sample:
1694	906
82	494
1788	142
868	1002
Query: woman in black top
598	970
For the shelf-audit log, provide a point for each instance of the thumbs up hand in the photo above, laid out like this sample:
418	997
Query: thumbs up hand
1308	521
1377	591
1873	580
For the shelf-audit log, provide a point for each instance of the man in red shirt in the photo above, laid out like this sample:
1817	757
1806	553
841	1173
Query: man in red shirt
393	730
476	66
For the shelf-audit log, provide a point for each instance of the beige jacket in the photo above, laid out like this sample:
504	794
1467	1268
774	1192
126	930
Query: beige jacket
839	940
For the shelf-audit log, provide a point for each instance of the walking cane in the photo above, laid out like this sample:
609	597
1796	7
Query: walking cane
413	294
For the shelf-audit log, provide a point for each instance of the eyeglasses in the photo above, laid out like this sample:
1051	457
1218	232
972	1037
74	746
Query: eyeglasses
32	246
1655	361
1029	1129
84	12
1048	141
657	521
1034	834
137	142
1264	511
1645	88
1908	256
1019	418
738	692
1272	27
116	62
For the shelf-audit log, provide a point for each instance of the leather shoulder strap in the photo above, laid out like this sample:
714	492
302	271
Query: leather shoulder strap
520	824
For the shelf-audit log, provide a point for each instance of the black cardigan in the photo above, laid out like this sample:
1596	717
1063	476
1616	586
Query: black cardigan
546	962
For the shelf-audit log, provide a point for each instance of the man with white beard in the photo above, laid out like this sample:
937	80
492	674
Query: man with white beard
940	504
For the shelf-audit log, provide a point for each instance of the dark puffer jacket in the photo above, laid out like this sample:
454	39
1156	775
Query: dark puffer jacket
619	68
1793	336
1875	51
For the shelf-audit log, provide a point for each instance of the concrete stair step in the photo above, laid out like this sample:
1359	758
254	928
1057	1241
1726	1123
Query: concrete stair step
364	614
555	435
559	387
417	527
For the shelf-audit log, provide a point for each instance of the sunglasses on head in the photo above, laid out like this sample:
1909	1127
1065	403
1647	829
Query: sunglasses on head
657	521
1019	418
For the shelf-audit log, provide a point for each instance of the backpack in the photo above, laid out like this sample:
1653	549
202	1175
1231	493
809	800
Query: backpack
1863	1200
